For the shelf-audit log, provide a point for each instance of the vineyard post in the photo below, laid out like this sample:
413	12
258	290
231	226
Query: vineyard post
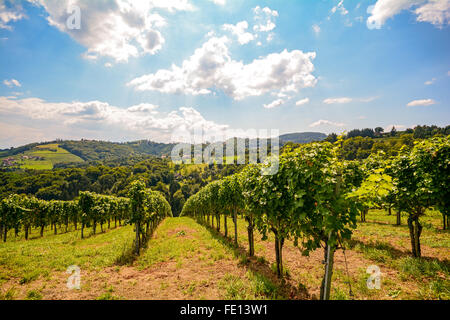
226	225
218	222
329	262
250	228
137	238
235	227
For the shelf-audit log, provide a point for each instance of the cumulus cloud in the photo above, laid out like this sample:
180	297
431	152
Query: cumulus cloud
212	68
421	103
100	120
240	31
337	100
265	18
326	123
436	12
12	83
118	29
274	104
10	11
302	102
430	82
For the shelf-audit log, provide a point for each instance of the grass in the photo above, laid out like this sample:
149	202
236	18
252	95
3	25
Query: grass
257	287
185	260
28	260
379	242
189	239
51	153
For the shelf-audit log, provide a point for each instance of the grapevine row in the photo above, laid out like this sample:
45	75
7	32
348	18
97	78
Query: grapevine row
315	197
20	212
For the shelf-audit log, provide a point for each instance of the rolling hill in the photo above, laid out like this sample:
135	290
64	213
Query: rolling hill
44	156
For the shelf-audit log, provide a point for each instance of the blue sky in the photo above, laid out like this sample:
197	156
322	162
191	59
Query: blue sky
142	71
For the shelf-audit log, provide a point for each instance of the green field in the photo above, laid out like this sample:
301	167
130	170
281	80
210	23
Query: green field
51	154
185	260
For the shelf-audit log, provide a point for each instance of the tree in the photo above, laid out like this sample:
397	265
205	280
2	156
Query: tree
372	191
419	186
324	215
272	199
393	132
439	148
248	180
379	131
231	199
138	195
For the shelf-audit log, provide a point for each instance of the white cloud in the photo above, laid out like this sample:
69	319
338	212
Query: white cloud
423	102
274	104
10	12
12	83
99	120
326	123
265	18
212	68
344	100
119	29
302	102
316	28
219	2
430	82
370	99
337	100
436	12
108	65
240	30
340	7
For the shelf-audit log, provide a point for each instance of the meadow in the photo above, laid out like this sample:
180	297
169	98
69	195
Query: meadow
44	157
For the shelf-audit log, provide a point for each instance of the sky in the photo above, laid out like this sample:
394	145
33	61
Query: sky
122	70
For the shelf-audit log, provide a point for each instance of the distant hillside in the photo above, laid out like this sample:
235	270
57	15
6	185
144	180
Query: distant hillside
303	137
44	156
38	157
47	155
100	150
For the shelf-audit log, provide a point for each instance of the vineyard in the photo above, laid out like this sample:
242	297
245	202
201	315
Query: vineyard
315	198
308	232
145	209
